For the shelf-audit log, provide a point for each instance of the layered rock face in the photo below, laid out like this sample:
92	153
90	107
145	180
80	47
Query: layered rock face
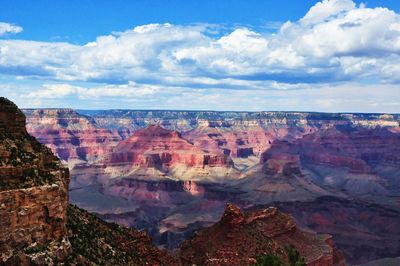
356	161
155	151
73	137
33	193
238	239
85	135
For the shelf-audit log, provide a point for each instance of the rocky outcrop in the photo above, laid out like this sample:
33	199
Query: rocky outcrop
238	239
33	194
95	242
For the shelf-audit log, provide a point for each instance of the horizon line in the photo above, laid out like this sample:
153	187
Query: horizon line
208	110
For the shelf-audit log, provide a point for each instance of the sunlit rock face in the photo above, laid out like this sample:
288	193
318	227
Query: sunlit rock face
172	172
157	151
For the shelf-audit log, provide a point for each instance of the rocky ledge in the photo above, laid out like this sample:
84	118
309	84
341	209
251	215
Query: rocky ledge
239	239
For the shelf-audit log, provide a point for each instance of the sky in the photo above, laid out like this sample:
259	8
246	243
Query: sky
240	55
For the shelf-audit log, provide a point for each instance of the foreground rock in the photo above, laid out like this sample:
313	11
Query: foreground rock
238	239
33	193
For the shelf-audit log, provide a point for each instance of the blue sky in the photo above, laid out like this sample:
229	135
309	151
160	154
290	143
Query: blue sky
81	21
331	55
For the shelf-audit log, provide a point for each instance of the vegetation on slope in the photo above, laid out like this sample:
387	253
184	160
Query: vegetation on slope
96	242
293	259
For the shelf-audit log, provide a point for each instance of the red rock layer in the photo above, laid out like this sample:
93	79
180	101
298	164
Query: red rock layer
351	160
240	144
162	149
359	149
72	137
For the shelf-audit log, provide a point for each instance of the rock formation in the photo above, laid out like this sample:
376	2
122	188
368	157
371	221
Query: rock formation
159	152
238	239
355	161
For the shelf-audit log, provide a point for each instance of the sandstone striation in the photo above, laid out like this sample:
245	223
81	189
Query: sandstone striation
156	151
355	161
73	137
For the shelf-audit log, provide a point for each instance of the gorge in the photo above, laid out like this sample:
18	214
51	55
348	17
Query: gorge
172	172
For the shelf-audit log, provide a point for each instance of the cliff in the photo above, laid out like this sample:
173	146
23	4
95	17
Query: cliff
33	193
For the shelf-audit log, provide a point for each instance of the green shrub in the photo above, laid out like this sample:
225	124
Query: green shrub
269	260
294	257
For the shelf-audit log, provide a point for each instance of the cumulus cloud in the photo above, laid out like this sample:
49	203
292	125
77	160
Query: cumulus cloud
334	41
7	28
326	9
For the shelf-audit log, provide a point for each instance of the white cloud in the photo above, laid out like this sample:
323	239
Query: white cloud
59	91
327	9
7	28
321	46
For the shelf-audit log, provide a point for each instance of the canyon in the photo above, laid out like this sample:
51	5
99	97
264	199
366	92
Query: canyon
171	173
40	227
